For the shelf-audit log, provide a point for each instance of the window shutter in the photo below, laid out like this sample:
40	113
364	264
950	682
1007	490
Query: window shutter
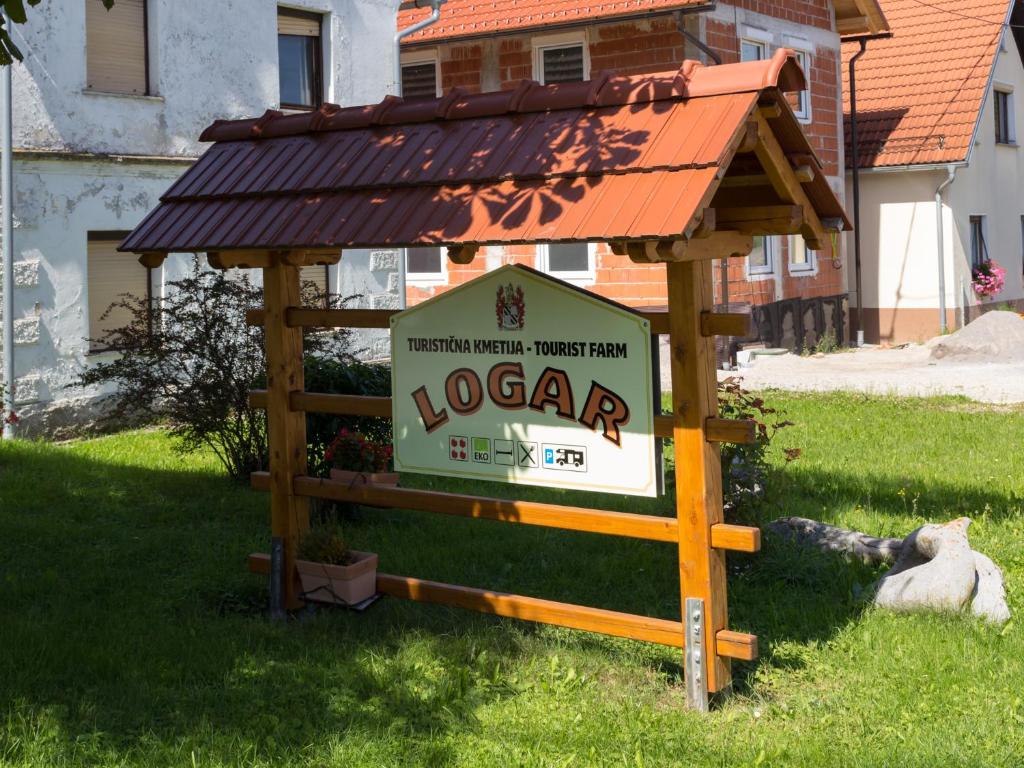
111	274
563	65
316	274
115	42
301	24
419	81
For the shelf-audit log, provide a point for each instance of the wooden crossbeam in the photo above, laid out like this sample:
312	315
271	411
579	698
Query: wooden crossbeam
762	219
738	538
249	259
726	324
647	527
716	245
718	430
804	174
304	317
736	645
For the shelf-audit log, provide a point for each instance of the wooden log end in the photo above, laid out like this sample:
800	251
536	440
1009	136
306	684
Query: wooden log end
740	431
737	538
736	645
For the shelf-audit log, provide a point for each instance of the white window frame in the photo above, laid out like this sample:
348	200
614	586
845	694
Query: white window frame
426	56
427	279
1011	121
576	278
566	40
805	59
762	38
767	272
807	269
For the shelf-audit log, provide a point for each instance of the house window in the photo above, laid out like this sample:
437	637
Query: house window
753	50
1004	117
109	276
116	58
424	265
761	260
300	59
801	258
801	100
419	80
979	248
568	261
560	64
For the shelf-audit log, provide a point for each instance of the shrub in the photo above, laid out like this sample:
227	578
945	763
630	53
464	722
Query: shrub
343	377
190	358
355	452
325	544
744	465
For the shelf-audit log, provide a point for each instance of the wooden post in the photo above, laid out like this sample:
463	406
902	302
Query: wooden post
286	429
698	462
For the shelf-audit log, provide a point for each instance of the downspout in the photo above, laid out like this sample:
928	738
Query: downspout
7	234
681	27
396	89
940	230
855	162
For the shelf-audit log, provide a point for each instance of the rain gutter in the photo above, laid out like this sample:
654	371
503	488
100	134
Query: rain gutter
396	87
555	27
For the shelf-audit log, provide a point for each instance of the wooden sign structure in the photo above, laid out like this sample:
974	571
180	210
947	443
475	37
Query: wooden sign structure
675	168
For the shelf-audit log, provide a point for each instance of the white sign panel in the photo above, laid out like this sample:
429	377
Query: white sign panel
519	377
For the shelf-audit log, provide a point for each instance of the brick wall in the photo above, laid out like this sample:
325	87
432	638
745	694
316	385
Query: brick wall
655	45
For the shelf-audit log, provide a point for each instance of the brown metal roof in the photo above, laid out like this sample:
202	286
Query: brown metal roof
614	158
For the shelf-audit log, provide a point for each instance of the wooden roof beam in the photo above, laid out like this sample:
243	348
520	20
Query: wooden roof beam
717	245
256	258
783	179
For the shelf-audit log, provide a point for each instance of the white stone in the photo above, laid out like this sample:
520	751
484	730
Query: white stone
384	261
26	331
384	301
26	273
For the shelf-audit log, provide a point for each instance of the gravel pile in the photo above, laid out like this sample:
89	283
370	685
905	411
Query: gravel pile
995	337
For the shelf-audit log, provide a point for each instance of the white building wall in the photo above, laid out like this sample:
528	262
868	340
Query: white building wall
88	162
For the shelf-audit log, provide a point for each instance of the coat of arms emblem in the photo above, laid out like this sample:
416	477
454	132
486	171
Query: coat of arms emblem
510	308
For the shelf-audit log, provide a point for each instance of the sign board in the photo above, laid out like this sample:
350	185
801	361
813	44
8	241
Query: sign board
522	378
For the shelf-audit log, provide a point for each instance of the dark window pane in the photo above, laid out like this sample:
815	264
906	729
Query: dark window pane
419	81
297	57
563	65
570	257
423	260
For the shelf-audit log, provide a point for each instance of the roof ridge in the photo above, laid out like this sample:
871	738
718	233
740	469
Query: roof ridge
692	80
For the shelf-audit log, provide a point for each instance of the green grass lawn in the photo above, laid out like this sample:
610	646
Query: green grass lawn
131	633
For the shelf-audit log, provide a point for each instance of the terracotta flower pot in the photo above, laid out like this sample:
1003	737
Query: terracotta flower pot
364	478
339	584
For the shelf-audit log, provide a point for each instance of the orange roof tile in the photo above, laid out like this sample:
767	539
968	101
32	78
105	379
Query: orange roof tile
614	158
920	93
468	18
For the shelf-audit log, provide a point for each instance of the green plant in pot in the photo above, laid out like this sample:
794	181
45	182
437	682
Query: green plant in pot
331	572
357	460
